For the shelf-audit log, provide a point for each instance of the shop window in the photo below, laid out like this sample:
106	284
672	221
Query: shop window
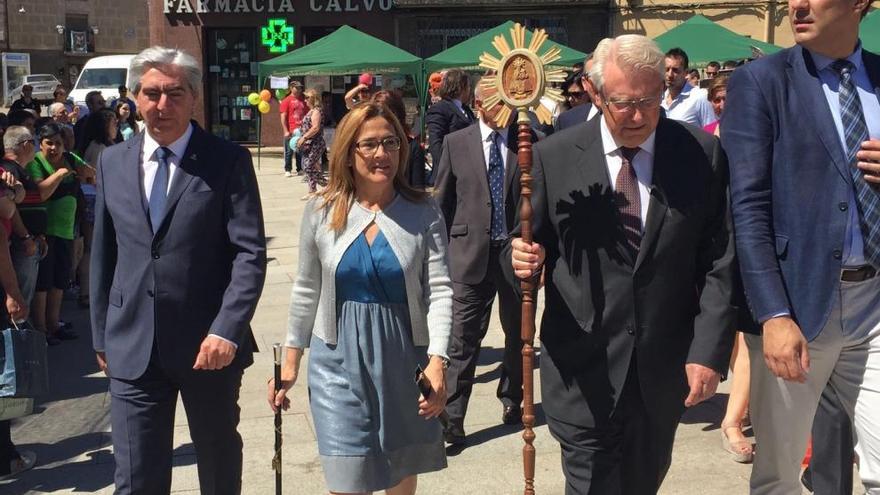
231	76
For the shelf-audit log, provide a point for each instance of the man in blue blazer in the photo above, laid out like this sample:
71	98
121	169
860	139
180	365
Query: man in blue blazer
178	264
801	128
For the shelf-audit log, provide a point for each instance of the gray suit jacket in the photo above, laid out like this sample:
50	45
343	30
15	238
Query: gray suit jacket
463	194
201	272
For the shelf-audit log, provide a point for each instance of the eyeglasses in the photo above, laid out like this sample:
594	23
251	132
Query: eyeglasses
576	95
623	106
24	141
369	147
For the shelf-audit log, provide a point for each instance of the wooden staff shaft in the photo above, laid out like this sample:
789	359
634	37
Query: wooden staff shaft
527	333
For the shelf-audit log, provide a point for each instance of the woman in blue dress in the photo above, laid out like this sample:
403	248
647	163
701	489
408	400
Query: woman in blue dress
372	300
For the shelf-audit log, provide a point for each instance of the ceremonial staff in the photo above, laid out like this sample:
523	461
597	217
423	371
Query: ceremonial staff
519	83
276	459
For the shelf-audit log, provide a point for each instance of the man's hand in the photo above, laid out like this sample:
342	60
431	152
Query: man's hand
433	405
215	354
86	174
703	381
287	134
527	258
785	349
16	308
30	247
869	161
102	361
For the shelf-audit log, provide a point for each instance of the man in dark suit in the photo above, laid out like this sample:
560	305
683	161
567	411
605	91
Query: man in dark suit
586	110
178	264
631	230
478	191
801	128
448	115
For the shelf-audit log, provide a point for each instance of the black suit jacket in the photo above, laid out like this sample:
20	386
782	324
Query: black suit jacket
203	269
441	119
573	116
669	306
462	190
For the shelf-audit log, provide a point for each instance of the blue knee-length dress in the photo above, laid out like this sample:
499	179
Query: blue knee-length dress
363	398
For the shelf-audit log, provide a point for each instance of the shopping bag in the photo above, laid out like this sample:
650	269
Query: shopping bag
24	370
13	407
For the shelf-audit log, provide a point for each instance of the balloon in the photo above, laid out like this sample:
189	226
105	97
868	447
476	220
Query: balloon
294	138
366	79
280	94
253	98
265	95
263	107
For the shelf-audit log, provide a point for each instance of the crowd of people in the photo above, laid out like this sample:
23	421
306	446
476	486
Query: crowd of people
674	238
48	215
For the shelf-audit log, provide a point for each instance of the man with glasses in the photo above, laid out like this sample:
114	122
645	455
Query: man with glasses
712	69
25	101
587	110
631	239
478	190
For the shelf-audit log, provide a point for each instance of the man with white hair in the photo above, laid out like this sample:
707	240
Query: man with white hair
630	227
58	112
178	264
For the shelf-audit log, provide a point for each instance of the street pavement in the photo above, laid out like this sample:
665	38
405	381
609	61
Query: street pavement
70	428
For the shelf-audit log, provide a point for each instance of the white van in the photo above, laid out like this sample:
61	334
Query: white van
104	74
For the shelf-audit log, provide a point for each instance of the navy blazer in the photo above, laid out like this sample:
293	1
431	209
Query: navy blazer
203	270
790	184
442	118
573	116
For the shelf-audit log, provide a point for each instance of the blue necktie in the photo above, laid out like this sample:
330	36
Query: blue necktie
496	187
159	192
855	130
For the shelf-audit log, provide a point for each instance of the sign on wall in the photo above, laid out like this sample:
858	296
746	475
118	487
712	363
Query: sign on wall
271	6
277	35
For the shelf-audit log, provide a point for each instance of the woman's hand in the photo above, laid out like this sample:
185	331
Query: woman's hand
289	373
436	374
288	379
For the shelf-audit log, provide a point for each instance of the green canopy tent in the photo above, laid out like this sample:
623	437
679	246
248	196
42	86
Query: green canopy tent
466	55
869	32
705	41
346	51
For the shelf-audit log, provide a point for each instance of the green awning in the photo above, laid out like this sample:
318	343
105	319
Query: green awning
466	55
705	41
869	32
345	51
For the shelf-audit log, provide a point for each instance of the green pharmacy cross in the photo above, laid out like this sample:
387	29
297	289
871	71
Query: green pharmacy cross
277	35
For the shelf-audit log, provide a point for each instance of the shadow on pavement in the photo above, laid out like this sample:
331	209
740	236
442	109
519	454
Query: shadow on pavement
495	431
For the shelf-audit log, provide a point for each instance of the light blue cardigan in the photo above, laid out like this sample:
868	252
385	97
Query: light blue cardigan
417	235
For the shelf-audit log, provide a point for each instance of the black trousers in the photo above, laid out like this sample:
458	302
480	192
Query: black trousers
831	466
471	309
626	454
7	448
142	418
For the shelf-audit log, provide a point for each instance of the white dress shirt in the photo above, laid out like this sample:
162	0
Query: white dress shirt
691	106
486	139
643	163
149	164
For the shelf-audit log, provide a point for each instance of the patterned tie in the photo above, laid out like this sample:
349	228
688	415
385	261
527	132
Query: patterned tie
855	130
629	203
496	187
159	192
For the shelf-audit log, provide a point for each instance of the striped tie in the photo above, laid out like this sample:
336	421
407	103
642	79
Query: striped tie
855	130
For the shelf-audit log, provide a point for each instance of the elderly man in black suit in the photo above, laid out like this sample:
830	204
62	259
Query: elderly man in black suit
178	264
478	191
631	230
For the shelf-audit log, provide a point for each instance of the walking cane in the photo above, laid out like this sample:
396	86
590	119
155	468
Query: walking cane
519	81
276	460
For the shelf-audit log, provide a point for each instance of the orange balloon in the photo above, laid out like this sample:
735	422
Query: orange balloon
265	95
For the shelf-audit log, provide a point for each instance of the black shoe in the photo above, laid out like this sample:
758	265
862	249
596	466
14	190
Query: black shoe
454	435
64	334
51	340
807	479
65	325
512	415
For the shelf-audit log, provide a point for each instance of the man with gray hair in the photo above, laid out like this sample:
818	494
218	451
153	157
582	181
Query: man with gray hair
178	264
630	226
58	112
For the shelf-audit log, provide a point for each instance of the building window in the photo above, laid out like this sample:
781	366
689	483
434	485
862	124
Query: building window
232	75
78	37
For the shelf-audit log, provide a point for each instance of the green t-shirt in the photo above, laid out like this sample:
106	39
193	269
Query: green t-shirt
61	212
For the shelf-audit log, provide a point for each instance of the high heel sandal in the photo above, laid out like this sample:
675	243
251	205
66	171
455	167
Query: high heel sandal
742	451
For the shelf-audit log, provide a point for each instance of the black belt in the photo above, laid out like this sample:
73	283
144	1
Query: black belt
860	274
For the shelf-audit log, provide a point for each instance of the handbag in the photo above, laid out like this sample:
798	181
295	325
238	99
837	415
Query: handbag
24	364
11	408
